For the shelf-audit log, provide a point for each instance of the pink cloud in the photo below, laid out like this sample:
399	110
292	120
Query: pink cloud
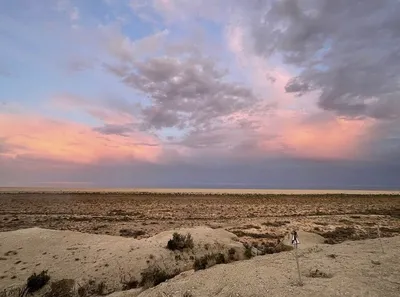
39	137
287	130
107	115
267	79
298	134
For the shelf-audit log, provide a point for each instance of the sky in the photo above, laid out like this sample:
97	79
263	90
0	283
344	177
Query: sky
284	94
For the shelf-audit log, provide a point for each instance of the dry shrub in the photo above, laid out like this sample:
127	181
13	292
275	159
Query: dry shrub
131	233
154	275
241	233
232	256
276	223
248	253
180	242
316	273
92	288
37	281
209	260
129	282
271	248
339	235
62	288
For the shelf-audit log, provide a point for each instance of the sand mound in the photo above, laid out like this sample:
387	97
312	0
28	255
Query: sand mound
349	269
84	257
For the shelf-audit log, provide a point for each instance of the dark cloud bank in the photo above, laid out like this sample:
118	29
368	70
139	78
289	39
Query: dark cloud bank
278	173
349	51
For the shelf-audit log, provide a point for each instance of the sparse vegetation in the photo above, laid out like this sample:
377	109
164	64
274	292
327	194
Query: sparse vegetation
316	273
131	233
251	227
202	205
62	288
128	282
345	221
101	289
37	281
240	233
275	224
339	235
209	260
180	242
154	275
248	253
232	255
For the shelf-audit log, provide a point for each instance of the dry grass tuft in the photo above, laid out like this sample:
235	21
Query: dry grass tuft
316	273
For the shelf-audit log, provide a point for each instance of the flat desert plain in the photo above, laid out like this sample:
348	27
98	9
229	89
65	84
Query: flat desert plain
252	215
132	228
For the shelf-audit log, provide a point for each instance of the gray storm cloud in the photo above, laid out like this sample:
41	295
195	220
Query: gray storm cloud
347	51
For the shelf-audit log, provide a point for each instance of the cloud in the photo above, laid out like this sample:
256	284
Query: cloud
110	129
126	50
112	111
347	52
260	173
65	141
226	93
74	15
69	9
184	92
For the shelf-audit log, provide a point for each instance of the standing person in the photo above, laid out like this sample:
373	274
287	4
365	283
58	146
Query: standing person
295	239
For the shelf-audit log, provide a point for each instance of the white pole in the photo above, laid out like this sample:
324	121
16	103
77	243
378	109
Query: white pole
380	239
298	265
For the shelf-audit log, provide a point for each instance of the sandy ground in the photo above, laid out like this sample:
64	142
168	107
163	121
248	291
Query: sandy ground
254	218
111	237
109	259
352	269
